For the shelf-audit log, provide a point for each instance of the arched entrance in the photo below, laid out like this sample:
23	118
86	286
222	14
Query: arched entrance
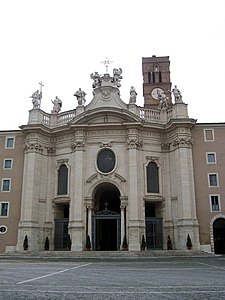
106	220
219	236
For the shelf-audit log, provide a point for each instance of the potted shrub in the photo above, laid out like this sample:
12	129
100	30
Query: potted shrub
46	244
25	243
189	243
68	243
143	243
124	244
169	243
88	243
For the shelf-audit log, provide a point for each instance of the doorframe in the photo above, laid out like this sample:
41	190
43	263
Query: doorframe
106	215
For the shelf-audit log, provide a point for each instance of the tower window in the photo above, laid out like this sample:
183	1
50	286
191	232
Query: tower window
160	77
62	180
152	178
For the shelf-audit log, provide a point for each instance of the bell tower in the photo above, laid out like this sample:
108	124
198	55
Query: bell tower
156	78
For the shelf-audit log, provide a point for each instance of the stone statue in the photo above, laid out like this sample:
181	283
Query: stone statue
162	99
177	95
57	104
80	96
133	95
117	76
97	80
36	98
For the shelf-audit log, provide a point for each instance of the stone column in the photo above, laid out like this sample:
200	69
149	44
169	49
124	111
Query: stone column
123	218
89	206
135	224
187	219
29	221
76	222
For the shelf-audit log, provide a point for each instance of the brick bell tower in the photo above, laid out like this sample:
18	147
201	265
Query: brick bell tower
156	76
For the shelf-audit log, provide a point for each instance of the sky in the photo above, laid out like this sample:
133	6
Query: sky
61	42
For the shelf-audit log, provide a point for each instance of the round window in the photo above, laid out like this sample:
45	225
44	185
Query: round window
3	229
106	161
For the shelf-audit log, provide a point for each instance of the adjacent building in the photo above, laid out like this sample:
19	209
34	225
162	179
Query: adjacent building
114	173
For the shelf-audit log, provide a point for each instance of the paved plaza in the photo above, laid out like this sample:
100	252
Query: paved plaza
150	278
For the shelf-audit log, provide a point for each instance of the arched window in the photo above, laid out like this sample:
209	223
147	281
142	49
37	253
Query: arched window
62	180
152	178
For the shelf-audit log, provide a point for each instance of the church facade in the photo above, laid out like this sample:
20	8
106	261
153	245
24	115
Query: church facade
109	175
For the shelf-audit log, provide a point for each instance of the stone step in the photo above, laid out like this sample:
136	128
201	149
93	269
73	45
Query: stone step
102	255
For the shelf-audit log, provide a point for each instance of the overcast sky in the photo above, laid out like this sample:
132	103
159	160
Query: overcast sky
61	42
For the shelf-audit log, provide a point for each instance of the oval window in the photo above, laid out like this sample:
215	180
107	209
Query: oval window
3	229
106	161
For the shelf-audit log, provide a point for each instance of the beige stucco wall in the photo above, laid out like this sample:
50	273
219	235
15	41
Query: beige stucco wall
9	239
201	170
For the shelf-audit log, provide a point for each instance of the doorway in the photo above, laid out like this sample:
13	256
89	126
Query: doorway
62	238
219	236
106	220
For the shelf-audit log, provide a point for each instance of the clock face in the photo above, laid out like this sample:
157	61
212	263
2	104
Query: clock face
155	91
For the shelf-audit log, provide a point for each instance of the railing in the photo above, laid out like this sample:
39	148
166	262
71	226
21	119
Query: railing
46	119
150	114
65	117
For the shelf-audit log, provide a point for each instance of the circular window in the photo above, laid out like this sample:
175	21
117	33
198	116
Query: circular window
3	229
106	161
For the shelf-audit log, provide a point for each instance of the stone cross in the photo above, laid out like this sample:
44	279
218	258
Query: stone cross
107	62
106	205
41	85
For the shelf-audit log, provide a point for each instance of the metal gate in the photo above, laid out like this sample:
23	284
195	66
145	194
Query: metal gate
108	222
154	233
61	234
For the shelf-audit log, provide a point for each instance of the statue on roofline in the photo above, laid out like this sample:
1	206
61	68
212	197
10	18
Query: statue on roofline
80	95
117	76
162	99
177	95
97	80
133	95
36	98
57	104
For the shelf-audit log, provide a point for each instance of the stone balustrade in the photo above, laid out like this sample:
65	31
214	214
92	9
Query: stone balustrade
179	110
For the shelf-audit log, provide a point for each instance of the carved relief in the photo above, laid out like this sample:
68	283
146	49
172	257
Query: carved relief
33	147
106	144
78	145
134	143
183	142
165	146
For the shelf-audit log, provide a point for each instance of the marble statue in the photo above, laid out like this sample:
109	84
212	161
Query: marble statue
162	99
117	76
36	98
57	104
177	94
133	95
80	96
97	80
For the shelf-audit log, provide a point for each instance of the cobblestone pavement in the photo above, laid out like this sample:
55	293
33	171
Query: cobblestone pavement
155	278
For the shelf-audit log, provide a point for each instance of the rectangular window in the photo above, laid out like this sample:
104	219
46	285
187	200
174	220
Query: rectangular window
209	135
4	209
214	202
7	164
6	183
213	180
9	142
211	158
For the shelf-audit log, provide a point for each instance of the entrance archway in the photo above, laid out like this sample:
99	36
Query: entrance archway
219	236
106	220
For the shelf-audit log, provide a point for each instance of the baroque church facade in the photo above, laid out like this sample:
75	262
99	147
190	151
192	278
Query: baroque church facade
109	172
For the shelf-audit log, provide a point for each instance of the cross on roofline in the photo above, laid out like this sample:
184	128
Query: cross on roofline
106	62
